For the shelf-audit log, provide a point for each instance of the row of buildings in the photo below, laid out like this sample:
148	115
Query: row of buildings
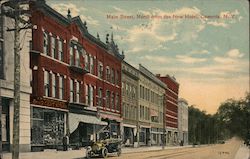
74	84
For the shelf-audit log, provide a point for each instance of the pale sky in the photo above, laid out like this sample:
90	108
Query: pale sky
203	43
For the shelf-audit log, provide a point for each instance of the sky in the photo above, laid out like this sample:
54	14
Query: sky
204	44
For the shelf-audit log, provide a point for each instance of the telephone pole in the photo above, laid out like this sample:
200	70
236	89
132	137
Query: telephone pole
15	11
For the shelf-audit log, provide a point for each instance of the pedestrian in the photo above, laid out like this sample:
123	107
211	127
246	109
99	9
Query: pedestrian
65	142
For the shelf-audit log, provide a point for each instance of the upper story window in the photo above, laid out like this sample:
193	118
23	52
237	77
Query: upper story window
91	65
77	58
53	47
87	61
107	73
99	101
117	77
107	98
112	75
46	43
112	101
53	78
60	50
71	90
100	69
46	84
71	54
61	87
78	92
89	95
117	102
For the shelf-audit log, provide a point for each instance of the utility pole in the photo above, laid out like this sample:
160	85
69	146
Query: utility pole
15	12
16	126
1	149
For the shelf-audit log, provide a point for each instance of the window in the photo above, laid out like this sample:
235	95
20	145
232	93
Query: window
112	76
99	96
117	102
71	90
60	50
107	99
53	47
71	62
91	95
87	94
86	61
53	78
91	65
46	84
107	73
61	87
78	92
112	101
45	43
117	77
77	61
100	70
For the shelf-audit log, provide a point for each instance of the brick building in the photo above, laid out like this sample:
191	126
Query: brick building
76	80
171	93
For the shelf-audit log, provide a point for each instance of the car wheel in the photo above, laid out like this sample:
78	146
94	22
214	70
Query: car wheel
104	152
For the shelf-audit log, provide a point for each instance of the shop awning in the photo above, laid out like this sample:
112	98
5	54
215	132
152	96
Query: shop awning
75	119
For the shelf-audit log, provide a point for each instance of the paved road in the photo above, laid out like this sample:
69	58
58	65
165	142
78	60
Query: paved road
229	150
220	151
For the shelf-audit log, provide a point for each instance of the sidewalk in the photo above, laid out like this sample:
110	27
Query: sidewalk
80	154
243	153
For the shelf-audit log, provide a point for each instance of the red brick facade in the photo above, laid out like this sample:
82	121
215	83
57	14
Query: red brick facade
172	92
73	34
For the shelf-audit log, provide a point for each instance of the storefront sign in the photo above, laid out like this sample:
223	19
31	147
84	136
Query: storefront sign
48	102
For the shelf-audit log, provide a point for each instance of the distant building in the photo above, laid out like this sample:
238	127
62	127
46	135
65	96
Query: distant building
130	94
183	121
151	110
171	93
7	83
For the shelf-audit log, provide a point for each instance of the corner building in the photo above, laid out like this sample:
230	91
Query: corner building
76	81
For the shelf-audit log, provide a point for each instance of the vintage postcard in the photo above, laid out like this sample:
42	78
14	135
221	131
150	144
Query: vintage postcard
145	79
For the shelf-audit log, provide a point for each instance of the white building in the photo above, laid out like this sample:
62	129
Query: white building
7	83
183	121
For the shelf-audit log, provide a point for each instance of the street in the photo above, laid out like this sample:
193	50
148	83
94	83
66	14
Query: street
219	151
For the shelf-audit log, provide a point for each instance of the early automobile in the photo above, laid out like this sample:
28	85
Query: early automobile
105	145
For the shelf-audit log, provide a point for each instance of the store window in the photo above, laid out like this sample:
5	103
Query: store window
47	126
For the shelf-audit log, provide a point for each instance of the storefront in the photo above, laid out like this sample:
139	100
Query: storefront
129	135
156	136
84	129
47	128
144	136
